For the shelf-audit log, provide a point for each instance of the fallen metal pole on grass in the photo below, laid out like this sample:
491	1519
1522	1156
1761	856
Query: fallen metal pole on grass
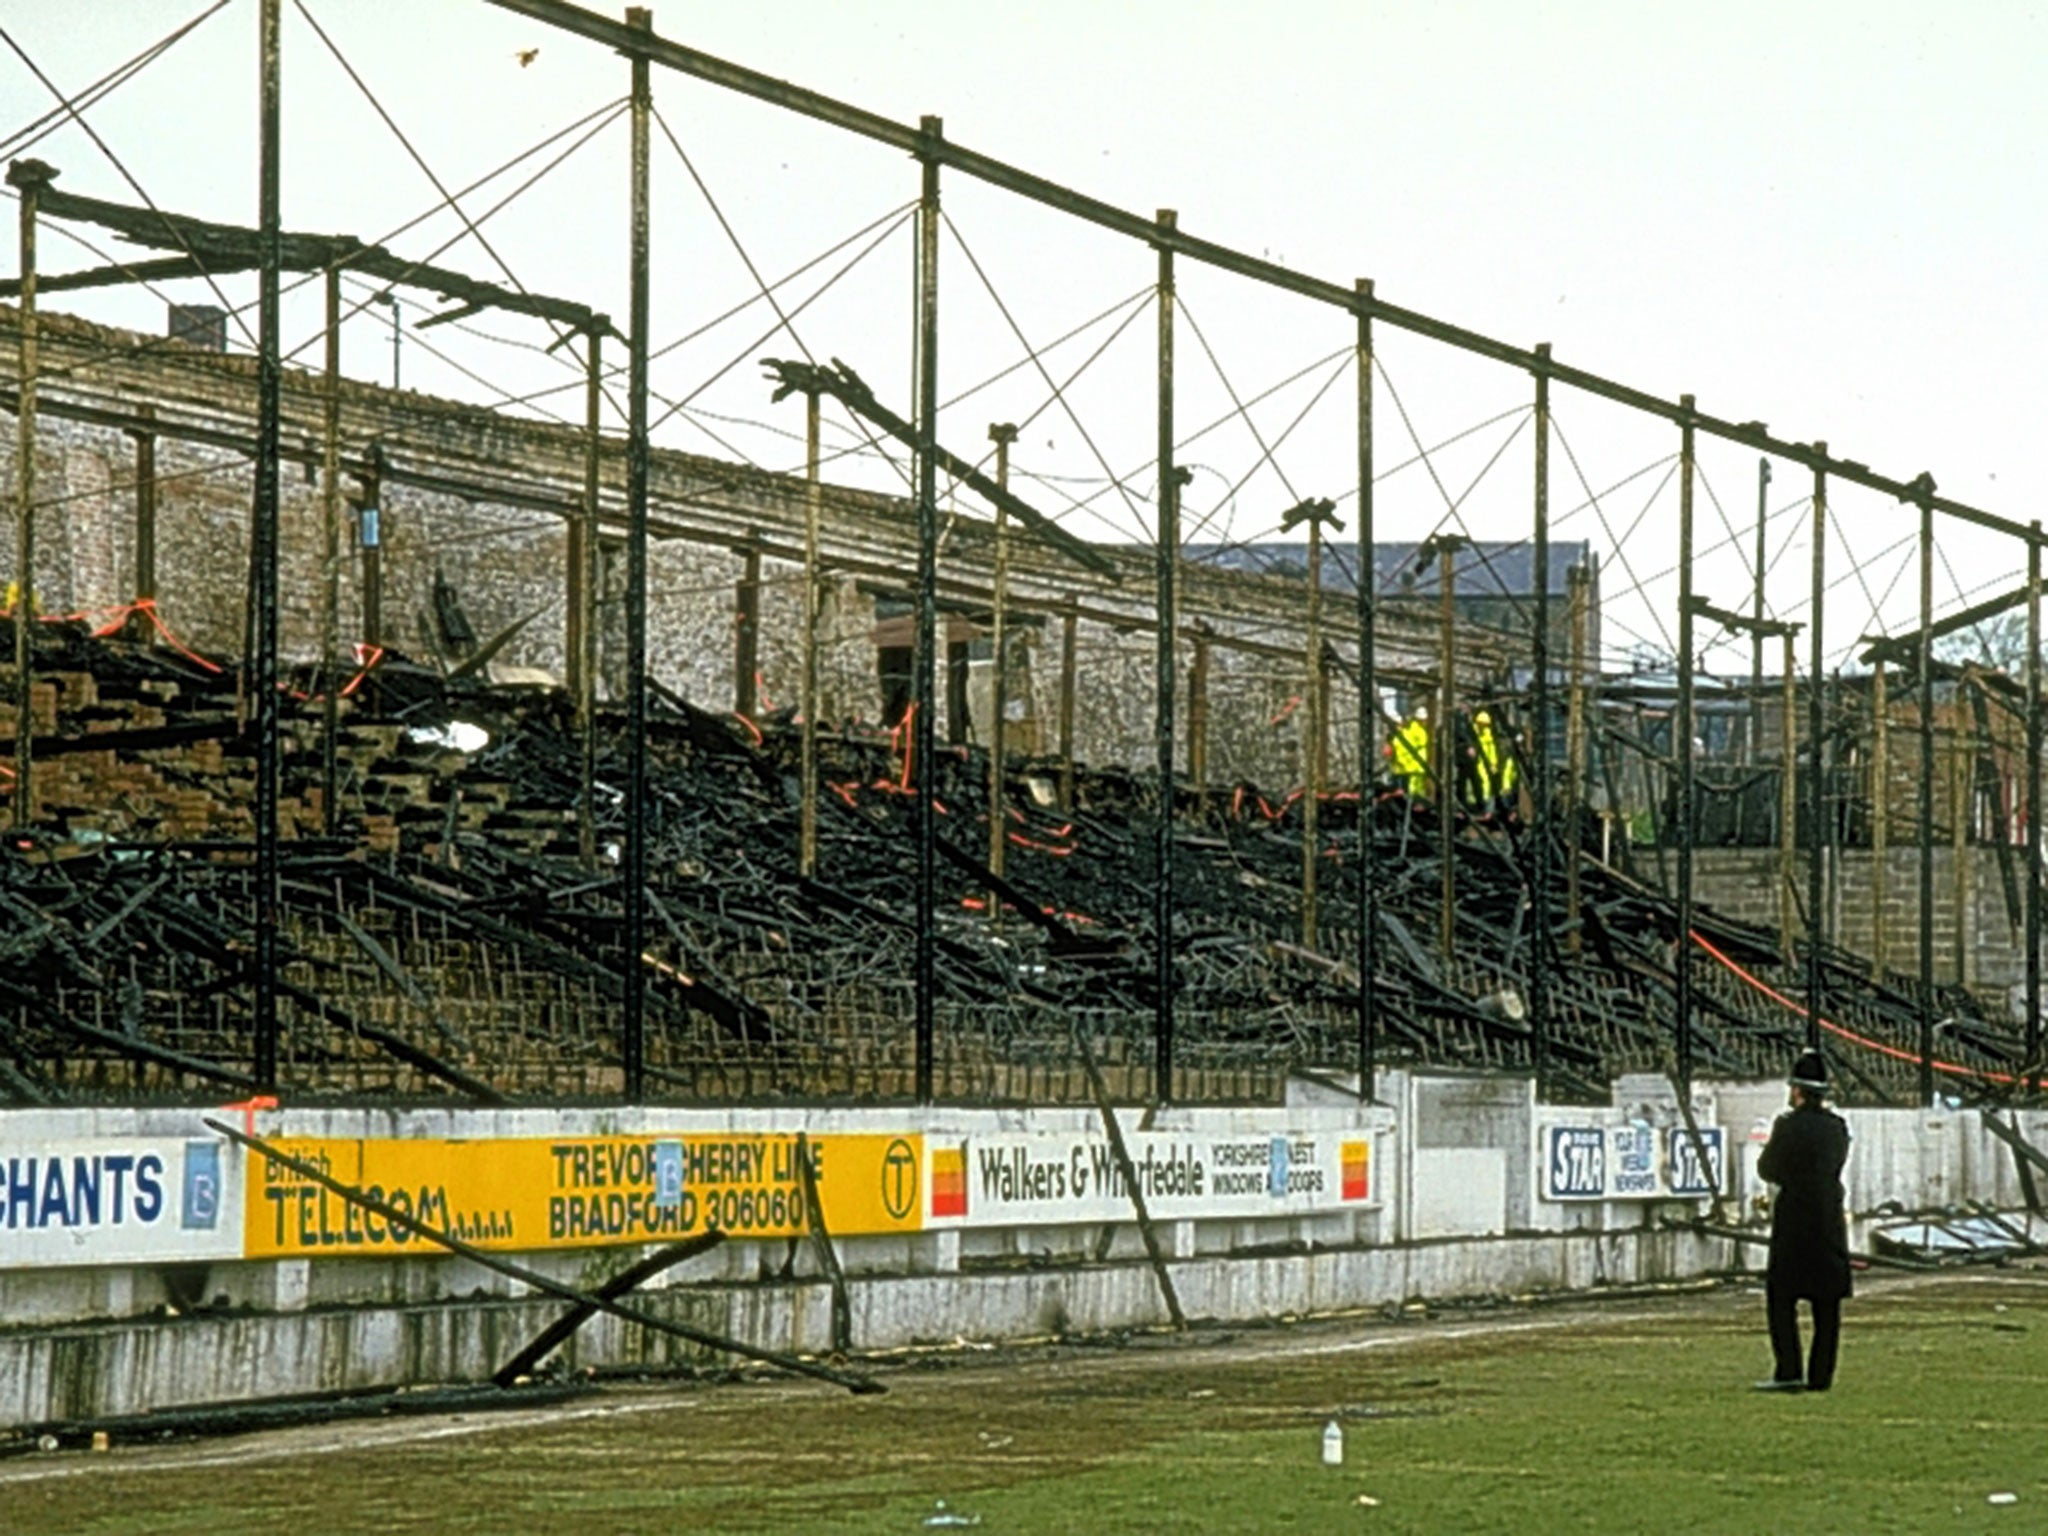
851	1381
1129	1172
1717	1204
559	1332
828	1256
2026	1157
1763	1240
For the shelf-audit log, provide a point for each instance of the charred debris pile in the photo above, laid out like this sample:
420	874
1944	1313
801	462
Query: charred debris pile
454	935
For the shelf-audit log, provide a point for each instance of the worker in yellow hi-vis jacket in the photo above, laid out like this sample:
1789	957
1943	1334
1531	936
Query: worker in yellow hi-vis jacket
1408	756
1493	768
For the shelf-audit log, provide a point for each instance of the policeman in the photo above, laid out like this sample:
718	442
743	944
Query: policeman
1809	1234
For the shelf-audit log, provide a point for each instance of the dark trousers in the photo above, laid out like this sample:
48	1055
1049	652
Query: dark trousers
1783	1306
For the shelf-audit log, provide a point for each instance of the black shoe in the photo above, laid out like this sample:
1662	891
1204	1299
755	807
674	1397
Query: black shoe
1775	1385
1818	1386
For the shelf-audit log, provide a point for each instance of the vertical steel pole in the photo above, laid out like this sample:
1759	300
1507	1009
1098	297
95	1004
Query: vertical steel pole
1443	749
1880	815
746	633
1681	744
1961	766
264	539
1816	730
1788	796
1368	715
1315	734
1070	618
583	599
1575	758
390	297
1168	612
145	524
1756	635
330	561
370	533
2033	956
576	536
1923	496
1198	718
28	177
807	794
633	1035
1002	435
1539	744
923	737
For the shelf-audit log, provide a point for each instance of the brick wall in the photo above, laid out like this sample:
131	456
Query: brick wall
1983	948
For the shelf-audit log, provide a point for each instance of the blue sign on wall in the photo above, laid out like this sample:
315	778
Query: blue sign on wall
1575	1162
668	1175
1686	1176
202	1186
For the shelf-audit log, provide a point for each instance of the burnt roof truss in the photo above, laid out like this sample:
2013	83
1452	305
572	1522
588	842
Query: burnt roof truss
210	249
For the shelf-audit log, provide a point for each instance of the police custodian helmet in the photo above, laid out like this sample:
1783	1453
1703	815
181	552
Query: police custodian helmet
1810	1072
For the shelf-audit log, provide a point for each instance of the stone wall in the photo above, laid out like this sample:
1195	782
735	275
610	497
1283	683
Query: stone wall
484	501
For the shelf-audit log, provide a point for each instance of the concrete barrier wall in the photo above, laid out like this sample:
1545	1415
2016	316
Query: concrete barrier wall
1457	1207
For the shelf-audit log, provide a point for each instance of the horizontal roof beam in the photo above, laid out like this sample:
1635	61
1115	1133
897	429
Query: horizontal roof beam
589	24
1763	628
214	249
1904	648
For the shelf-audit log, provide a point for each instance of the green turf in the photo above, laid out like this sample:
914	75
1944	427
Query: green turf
1625	1420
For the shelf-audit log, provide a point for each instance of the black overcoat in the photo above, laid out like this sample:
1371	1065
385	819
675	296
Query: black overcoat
1809	1234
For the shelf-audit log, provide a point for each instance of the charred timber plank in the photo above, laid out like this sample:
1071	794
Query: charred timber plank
1065	940
853	392
134	1047
2024	1151
106	925
141	739
856	906
230	247
1419	962
296	1412
738	1014
1763	1240
405	1050
16	1066
388	964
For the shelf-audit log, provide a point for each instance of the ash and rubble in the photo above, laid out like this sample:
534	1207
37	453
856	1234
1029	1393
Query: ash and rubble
455	935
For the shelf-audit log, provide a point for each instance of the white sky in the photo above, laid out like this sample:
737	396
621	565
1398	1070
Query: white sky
1824	215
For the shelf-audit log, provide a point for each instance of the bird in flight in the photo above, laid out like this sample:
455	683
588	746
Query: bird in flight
526	56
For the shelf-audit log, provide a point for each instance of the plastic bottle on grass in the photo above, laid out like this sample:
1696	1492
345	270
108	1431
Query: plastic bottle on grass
1333	1444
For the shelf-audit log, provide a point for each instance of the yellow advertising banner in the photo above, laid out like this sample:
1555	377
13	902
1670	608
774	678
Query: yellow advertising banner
527	1193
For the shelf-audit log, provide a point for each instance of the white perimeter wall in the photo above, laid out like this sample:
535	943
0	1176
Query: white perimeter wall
1457	1208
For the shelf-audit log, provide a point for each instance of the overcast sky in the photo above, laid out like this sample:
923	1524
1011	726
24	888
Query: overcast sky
1823	215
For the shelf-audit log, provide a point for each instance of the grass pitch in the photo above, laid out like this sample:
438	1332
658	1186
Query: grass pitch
1629	1417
